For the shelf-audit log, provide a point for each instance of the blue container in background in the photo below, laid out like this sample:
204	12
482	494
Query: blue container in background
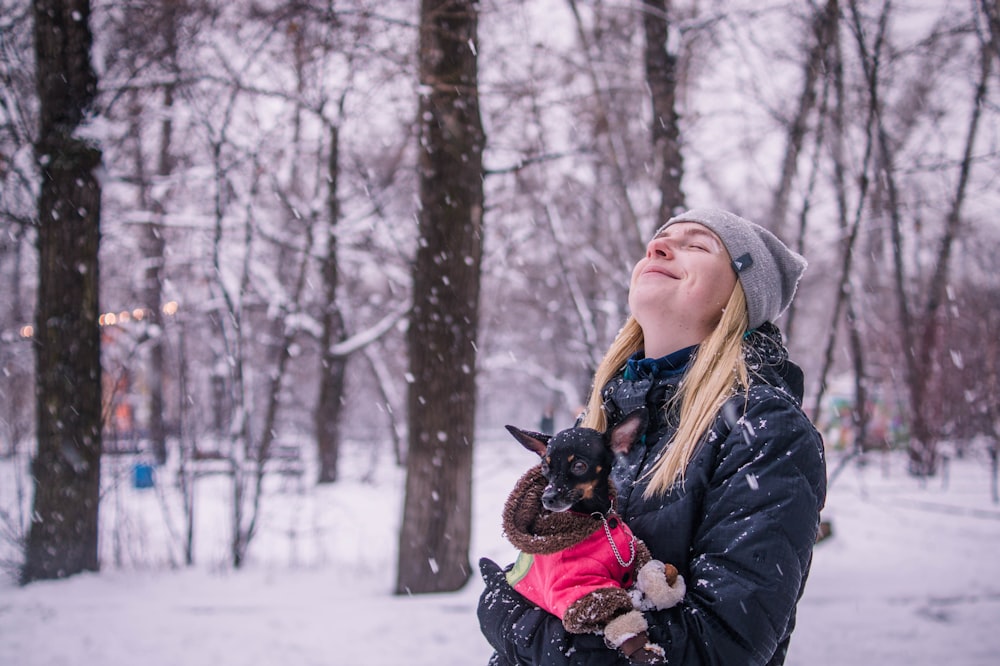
142	475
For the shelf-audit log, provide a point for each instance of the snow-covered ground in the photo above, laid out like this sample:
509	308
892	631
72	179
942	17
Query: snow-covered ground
911	577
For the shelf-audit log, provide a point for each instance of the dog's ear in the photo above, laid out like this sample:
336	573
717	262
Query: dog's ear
533	441
624	436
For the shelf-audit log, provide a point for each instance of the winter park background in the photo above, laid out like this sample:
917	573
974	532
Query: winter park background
260	199
910	577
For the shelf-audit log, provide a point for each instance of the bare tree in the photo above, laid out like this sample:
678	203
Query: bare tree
661	76
63	537
923	447
333	368
610	137
848	223
17	224
436	528
880	189
824	25
154	242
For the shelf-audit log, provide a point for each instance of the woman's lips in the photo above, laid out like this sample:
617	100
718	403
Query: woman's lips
660	270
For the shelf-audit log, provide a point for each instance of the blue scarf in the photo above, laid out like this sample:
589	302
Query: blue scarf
671	365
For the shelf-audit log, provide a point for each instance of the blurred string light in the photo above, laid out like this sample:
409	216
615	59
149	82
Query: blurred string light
116	318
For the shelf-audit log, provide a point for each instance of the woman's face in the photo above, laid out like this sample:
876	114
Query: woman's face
685	279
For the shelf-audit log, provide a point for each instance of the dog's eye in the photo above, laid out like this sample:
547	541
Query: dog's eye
578	467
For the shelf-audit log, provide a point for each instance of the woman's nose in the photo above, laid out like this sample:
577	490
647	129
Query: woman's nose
659	247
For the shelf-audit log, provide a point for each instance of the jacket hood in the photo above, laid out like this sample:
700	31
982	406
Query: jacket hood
767	359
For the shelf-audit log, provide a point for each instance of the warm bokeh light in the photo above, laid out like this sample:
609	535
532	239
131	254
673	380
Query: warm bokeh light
115	319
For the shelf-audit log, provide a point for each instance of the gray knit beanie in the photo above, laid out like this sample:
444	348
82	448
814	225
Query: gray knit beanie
768	271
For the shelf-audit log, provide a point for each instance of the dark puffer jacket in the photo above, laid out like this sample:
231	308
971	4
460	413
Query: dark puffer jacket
741	530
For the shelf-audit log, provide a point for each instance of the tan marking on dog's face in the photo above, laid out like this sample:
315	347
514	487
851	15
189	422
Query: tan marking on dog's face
587	489
570	459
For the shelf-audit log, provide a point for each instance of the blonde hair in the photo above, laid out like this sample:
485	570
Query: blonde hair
717	370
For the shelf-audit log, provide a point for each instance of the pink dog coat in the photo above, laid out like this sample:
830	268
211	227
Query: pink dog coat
554	581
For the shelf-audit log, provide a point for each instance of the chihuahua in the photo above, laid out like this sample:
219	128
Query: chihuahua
578	559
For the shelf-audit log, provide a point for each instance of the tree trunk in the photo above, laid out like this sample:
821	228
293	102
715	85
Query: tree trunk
156	252
435	533
824	26
153	245
661	76
991	9
632	239
923	444
849	229
62	539
333	367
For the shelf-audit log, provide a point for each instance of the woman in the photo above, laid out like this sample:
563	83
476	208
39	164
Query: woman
731	477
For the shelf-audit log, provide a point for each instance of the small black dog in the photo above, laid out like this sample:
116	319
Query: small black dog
578	559
577	463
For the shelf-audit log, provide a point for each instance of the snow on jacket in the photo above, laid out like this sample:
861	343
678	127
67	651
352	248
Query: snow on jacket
741	529
564	556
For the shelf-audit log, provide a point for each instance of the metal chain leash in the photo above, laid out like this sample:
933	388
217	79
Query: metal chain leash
614	547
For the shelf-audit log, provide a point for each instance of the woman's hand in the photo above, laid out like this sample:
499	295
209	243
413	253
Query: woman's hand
499	607
522	633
